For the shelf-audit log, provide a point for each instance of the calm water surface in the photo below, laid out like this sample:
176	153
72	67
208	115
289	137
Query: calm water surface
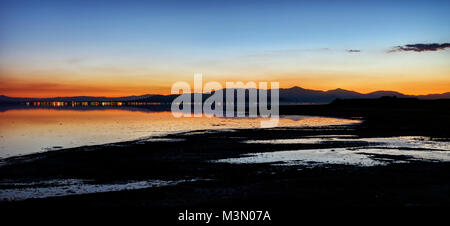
24	131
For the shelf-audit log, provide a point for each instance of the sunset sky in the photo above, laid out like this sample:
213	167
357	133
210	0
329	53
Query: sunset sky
118	48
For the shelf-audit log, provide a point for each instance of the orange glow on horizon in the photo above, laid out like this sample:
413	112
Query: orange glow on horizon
40	90
410	82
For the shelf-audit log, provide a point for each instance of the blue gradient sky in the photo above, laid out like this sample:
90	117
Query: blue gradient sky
134	47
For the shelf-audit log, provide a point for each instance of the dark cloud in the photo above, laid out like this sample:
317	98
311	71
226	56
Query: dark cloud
353	50
420	47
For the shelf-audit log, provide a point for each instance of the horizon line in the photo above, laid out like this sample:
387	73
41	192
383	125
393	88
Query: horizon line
137	95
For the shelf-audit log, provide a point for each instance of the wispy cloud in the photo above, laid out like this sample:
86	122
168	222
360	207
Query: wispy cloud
420	47
74	60
353	50
289	51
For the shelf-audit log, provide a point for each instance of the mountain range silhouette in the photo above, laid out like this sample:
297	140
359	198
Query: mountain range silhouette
287	95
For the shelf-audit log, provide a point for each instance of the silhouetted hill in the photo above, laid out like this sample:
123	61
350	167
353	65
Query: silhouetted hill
289	95
300	95
342	93
297	94
435	96
378	94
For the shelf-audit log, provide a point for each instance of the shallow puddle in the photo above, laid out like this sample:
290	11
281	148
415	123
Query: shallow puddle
53	188
378	151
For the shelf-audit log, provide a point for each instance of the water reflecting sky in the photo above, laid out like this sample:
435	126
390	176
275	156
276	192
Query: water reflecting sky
29	130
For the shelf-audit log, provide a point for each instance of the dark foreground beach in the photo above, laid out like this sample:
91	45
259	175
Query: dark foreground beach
242	169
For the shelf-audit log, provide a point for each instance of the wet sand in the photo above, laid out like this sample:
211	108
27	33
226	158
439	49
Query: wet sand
192	159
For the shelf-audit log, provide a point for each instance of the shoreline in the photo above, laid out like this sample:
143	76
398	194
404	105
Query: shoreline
165	160
191	158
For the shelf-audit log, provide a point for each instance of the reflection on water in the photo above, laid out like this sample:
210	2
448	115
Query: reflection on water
377	151
306	157
391	142
30	130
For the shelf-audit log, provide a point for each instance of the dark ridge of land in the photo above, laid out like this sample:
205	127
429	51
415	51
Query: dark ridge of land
386	116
